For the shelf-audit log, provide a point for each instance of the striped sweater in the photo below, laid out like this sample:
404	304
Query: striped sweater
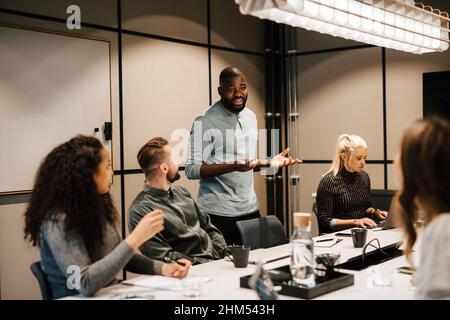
344	196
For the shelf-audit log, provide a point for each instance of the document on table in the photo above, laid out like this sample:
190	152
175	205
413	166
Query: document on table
267	255
163	283
155	282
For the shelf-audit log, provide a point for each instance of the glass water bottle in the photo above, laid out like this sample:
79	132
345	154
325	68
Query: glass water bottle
302	259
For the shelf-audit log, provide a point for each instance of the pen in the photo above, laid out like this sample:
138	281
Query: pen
270	260
169	260
276	259
127	296
323	240
337	241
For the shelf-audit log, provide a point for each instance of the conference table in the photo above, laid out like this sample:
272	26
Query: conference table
224	279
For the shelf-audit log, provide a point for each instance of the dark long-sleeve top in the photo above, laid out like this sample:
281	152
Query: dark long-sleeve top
188	232
344	196
73	268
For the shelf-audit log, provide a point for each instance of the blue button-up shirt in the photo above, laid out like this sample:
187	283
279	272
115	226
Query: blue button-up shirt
220	136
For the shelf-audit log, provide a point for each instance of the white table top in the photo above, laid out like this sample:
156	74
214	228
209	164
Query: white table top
225	283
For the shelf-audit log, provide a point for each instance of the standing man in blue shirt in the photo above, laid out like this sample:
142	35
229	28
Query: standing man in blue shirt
222	154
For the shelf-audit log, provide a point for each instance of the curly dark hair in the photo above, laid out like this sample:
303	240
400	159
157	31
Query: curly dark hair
65	184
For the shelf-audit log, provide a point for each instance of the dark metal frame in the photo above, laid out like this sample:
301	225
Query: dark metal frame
280	47
278	43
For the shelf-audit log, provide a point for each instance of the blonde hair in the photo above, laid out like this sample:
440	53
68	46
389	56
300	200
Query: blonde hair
346	143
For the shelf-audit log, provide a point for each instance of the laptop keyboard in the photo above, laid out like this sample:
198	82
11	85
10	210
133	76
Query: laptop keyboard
380	224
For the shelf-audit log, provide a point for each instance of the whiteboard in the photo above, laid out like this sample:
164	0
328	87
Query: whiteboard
52	87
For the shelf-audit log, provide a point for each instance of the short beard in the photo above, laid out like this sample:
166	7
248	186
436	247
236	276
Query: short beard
231	107
175	178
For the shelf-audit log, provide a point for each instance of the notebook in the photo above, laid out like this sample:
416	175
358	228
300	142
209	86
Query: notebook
268	255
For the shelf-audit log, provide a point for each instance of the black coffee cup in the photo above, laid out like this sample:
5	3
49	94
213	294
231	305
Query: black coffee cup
359	236
239	256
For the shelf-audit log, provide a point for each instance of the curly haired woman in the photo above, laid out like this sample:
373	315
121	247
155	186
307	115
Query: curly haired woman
72	219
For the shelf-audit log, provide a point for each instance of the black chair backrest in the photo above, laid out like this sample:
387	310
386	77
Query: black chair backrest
262	232
41	277
381	198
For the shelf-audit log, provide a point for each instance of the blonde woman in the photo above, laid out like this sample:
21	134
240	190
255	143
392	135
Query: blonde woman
425	187
343	195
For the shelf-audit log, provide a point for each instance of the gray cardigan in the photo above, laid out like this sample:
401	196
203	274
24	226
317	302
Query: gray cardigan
433	272
64	253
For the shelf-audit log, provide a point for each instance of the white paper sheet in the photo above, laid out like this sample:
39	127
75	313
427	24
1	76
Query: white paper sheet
267	255
156	282
162	283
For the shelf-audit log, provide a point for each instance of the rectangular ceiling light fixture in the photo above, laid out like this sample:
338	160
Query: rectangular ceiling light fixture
397	24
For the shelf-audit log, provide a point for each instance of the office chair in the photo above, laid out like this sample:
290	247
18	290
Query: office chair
41	277
314	225
314	222
262	232
381	198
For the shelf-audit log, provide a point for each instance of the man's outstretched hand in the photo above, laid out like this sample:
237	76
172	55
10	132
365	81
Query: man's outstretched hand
281	160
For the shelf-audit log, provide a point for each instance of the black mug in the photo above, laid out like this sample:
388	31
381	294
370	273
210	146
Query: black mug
359	236
239	256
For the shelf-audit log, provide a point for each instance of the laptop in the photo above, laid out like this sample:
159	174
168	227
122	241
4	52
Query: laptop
386	224
382	199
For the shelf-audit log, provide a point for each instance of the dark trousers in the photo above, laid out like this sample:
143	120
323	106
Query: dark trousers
227	225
